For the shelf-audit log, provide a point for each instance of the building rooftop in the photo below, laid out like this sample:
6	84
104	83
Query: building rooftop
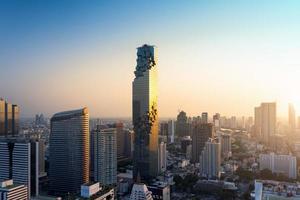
69	114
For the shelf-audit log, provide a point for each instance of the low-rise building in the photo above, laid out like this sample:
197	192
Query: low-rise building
275	190
93	191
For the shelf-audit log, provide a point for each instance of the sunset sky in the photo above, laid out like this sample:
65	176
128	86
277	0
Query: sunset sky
214	56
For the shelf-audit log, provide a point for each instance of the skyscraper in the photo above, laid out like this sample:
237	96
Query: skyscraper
9	118
257	122
15	119
19	160
225	141
171	131
69	151
210	159
162	161
265	121
144	113
201	133
292	117
182	127
268	121
105	156
2	117
120	140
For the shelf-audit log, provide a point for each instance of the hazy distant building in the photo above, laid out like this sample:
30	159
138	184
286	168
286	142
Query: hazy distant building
182	126
257	122
225	141
145	114
265	121
11	191
204	117
216	121
285	164
268	121
105	156
39	119
19	160
9	118
201	133
233	122
292	117
69	151
162	157
210	159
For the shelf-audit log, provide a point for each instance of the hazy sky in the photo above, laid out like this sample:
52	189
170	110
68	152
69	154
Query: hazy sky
215	56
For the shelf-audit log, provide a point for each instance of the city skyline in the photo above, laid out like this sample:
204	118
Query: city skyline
214	57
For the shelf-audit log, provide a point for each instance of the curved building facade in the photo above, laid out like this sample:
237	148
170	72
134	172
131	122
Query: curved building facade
144	114
69	151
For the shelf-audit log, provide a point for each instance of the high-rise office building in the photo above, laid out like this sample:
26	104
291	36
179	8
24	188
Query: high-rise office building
2	117
257	122
265	121
210	159
171	131
11	191
69	151
9	118
225	141
268	121
120	140
15	119
204	117
182	127
145	114
42	150
163	132
162	158
292	117
201	133
129	136
105	156
19	160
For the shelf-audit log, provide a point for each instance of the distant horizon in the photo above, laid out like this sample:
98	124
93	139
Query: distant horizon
213	56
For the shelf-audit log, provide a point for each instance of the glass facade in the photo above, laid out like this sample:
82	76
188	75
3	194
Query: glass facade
145	115
69	151
9	118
